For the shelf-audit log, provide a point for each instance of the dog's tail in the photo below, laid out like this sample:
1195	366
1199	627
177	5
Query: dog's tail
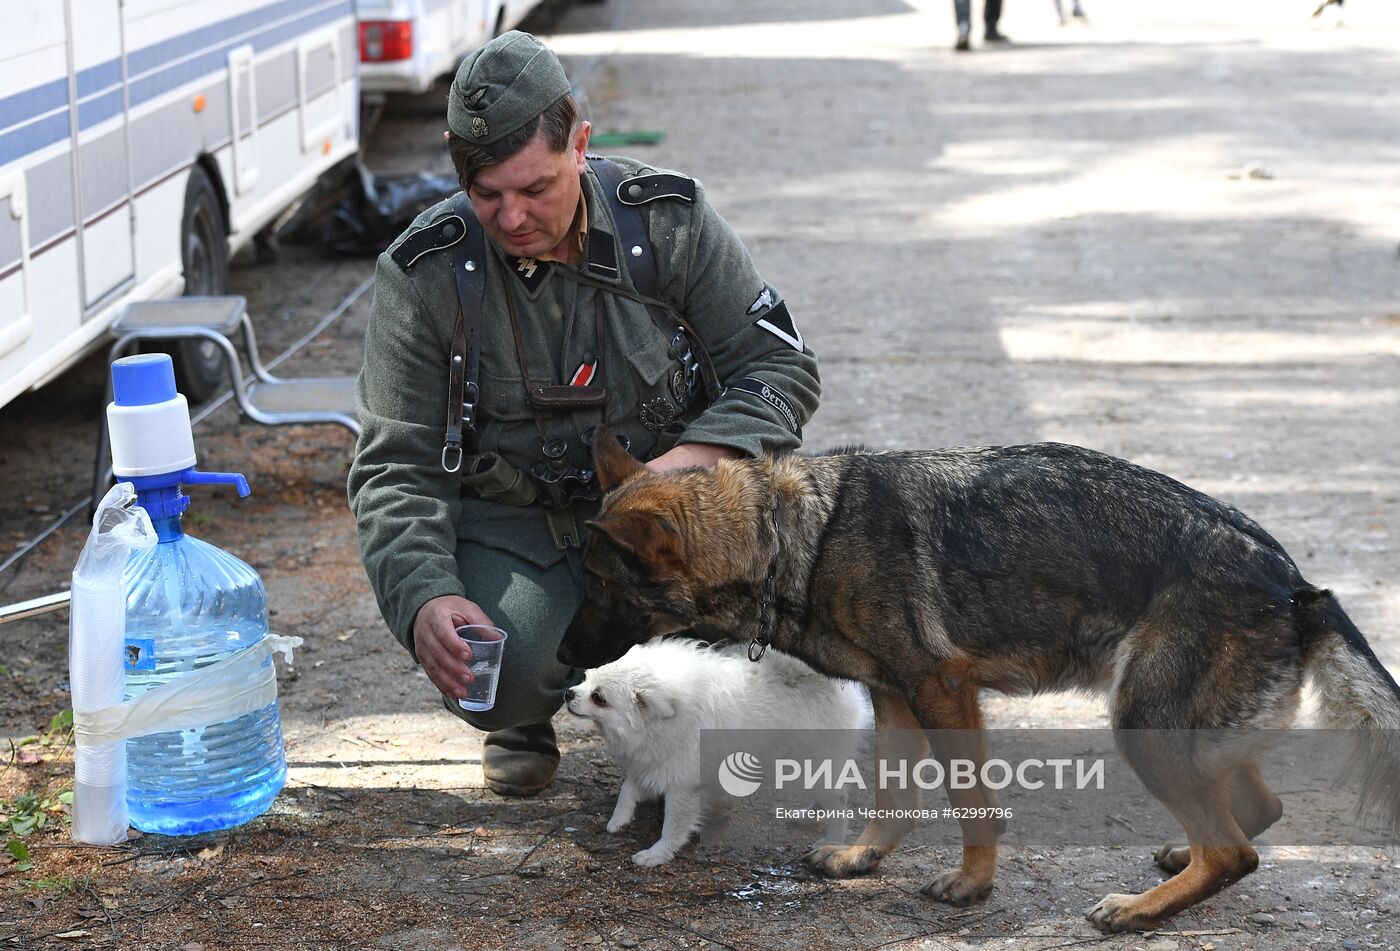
1355	692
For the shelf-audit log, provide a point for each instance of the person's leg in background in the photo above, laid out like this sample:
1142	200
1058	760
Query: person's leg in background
1075	10
962	12
990	15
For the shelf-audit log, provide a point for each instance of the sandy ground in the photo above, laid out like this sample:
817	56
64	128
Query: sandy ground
1170	235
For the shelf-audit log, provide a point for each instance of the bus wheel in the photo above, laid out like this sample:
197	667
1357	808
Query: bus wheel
199	364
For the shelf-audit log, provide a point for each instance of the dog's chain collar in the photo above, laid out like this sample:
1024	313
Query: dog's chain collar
767	600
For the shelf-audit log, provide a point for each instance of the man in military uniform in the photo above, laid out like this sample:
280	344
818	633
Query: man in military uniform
558	292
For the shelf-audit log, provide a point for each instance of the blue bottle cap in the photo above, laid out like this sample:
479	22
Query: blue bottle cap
143	379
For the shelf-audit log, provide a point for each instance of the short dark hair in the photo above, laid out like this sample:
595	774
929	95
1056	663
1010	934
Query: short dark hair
557	123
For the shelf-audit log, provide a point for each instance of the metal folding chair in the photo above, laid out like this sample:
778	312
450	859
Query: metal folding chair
266	399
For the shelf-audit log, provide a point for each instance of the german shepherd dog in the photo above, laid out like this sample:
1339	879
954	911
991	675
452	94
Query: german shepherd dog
930	575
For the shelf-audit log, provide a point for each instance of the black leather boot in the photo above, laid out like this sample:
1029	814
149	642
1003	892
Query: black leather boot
520	761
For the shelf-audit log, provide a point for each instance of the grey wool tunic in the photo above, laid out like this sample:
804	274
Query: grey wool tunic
411	514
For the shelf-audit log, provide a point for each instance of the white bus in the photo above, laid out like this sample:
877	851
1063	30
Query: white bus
142	142
406	44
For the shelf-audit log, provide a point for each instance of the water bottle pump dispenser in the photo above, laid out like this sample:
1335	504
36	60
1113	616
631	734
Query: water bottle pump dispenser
190	608
152	440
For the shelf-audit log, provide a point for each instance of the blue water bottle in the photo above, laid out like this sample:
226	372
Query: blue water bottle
189	605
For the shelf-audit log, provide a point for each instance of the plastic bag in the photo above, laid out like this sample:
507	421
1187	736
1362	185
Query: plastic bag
96	634
356	212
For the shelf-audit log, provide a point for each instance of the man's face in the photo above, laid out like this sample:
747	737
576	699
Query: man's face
527	203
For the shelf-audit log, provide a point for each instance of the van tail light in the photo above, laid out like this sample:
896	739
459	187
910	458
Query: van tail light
383	41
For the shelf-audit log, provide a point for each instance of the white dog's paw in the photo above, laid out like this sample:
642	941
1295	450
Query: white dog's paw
658	854
618	823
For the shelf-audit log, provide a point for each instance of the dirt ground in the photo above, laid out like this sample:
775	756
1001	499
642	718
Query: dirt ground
1169	235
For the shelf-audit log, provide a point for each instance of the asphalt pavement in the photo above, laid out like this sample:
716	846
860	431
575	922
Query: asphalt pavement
1170	234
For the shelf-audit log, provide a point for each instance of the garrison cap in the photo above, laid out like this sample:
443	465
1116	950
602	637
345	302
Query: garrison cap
503	85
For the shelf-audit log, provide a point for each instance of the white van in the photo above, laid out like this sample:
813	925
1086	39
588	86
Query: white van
141	143
406	44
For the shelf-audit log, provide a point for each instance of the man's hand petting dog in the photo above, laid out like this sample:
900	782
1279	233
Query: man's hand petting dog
690	454
445	656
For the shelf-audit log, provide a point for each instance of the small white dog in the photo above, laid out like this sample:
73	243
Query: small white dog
652	704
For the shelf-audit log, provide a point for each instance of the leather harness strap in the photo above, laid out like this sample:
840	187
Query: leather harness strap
642	269
469	271
463	389
452	441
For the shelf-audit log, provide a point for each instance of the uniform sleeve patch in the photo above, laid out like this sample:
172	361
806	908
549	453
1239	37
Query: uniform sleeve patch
443	233
763	300
773	398
778	322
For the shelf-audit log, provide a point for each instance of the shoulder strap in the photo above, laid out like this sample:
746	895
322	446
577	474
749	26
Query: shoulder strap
469	273
642	269
442	233
630	228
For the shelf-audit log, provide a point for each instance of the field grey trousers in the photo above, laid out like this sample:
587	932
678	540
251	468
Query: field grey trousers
533	606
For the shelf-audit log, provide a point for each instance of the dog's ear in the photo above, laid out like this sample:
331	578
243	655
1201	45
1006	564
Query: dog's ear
652	539
613	463
661	706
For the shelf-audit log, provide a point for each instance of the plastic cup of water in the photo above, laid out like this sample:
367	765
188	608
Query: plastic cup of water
487	644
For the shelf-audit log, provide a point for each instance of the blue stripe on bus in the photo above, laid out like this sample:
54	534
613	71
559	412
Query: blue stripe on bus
34	135
157	54
100	108
24	106
98	78
158	83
